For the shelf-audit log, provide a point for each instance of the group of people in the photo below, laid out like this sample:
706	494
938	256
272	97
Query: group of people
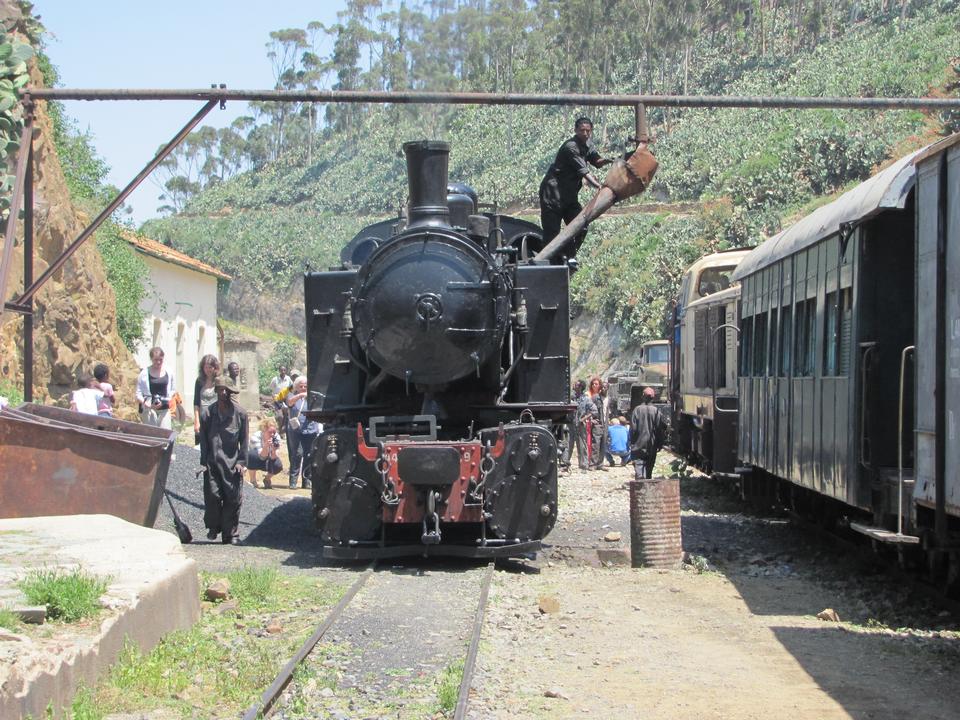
600	437
228	452
95	396
289	396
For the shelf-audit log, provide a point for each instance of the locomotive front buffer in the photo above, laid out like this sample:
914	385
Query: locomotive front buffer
427	497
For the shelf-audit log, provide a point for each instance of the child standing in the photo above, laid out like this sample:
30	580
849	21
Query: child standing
102	375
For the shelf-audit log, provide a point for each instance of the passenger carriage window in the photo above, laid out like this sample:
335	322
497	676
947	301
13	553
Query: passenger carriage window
786	317
845	313
809	336
772	355
805	317
758	365
830	339
746	339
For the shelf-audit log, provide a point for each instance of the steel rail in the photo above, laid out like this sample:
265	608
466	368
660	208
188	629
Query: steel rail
486	98
471	659
270	695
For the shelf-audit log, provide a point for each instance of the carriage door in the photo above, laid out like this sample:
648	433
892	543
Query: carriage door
884	315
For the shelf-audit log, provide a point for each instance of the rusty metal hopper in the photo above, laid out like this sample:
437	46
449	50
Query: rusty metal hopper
59	462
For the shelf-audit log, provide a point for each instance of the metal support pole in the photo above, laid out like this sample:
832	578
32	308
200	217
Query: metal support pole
473	98
641	132
32	289
26	142
28	277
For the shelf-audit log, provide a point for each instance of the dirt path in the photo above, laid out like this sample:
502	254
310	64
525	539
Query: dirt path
741	642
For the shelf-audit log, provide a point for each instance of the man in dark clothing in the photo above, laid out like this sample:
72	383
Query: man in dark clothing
223	454
585	410
648	432
560	188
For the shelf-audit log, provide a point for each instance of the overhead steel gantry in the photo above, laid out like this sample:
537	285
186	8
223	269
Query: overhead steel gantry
219	95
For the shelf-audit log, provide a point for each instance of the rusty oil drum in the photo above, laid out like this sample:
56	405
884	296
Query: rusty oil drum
655	539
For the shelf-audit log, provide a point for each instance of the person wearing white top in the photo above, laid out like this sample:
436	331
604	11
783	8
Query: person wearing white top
155	387
87	398
280	381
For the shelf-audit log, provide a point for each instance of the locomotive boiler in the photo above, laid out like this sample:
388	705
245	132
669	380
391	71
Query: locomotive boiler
439	365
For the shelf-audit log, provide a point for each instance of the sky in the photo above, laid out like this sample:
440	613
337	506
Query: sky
173	44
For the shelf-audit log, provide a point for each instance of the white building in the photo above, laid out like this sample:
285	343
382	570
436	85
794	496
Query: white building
180	307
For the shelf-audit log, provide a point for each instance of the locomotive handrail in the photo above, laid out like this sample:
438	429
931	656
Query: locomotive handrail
903	363
713	388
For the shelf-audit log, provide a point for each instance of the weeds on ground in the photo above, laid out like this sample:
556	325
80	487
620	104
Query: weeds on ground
9	619
69	595
222	664
700	564
253	586
83	706
448	686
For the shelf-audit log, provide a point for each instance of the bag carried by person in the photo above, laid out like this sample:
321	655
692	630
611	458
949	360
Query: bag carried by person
294	422
177	409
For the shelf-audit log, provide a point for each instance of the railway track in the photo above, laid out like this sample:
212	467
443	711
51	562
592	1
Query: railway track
369	619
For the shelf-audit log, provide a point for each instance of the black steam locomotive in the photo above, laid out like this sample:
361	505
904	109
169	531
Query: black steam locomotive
439	365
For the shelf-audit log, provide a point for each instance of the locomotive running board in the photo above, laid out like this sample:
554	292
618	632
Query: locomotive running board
884	535
340	552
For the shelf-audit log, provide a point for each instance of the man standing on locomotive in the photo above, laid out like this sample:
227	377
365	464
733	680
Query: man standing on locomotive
560	187
648	433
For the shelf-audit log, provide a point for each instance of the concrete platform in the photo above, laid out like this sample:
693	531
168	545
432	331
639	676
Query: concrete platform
153	589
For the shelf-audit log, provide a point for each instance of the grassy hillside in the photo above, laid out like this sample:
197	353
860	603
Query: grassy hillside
747	169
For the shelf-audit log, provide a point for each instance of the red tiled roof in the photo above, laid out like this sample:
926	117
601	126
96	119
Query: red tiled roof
159	250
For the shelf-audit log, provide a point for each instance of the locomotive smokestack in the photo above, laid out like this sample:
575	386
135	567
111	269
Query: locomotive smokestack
427	179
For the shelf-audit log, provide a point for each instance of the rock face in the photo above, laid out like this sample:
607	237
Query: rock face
75	324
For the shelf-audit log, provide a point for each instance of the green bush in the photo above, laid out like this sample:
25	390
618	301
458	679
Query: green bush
13	76
11	392
125	273
284	353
